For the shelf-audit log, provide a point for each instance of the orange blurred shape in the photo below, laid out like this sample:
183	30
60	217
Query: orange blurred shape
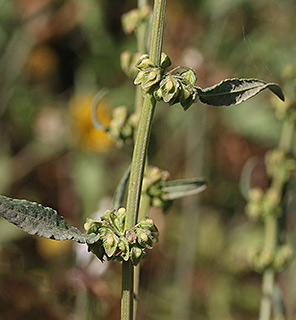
85	135
49	249
42	63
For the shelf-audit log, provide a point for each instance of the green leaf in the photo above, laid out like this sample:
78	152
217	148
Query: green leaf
121	189
182	188
235	91
42	221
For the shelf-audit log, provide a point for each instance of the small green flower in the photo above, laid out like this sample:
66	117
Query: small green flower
283	257
139	78
128	60
110	243
165	61
150	78
190	76
137	255
144	238
123	249
91	226
144	62
169	87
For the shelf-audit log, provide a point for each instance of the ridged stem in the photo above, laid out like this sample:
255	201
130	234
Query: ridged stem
138	160
271	227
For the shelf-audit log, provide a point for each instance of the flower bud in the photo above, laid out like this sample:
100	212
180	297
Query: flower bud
169	85
91	226
136	252
152	75
170	89
261	259
157	94
109	241
256	194
121	211
130	235
189	75
136	255
143	237
121	246
165	61
139	77
144	62
283	257
110	244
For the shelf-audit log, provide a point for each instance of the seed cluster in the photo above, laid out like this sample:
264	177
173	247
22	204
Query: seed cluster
122	126
119	244
175	86
152	186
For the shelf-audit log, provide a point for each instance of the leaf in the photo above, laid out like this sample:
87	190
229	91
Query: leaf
235	91
182	188
121	188
42	221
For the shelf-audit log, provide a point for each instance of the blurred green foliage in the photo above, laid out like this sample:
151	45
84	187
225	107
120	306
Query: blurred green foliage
52	52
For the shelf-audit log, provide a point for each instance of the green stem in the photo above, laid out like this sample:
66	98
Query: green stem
266	300
271	227
139	156
268	275
145	122
144	207
141	35
287	135
126	291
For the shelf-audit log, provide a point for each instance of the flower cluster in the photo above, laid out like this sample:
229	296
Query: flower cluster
152	185
172	87
128	61
279	165
262	204
261	259
122	125
132	19
119	244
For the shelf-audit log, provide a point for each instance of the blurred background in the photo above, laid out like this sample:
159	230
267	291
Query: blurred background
54	57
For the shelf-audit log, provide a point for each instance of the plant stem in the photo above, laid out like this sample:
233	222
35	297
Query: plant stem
141	35
139	156
144	207
145	122
271	227
126	291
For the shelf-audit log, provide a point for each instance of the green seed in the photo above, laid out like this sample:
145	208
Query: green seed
137	252
109	240
169	85
152	75
143	236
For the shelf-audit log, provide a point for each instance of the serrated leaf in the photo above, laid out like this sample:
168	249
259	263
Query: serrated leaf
235	91
182	188
42	221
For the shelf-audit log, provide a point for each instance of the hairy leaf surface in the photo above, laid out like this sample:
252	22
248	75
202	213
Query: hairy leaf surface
235	91
42	221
